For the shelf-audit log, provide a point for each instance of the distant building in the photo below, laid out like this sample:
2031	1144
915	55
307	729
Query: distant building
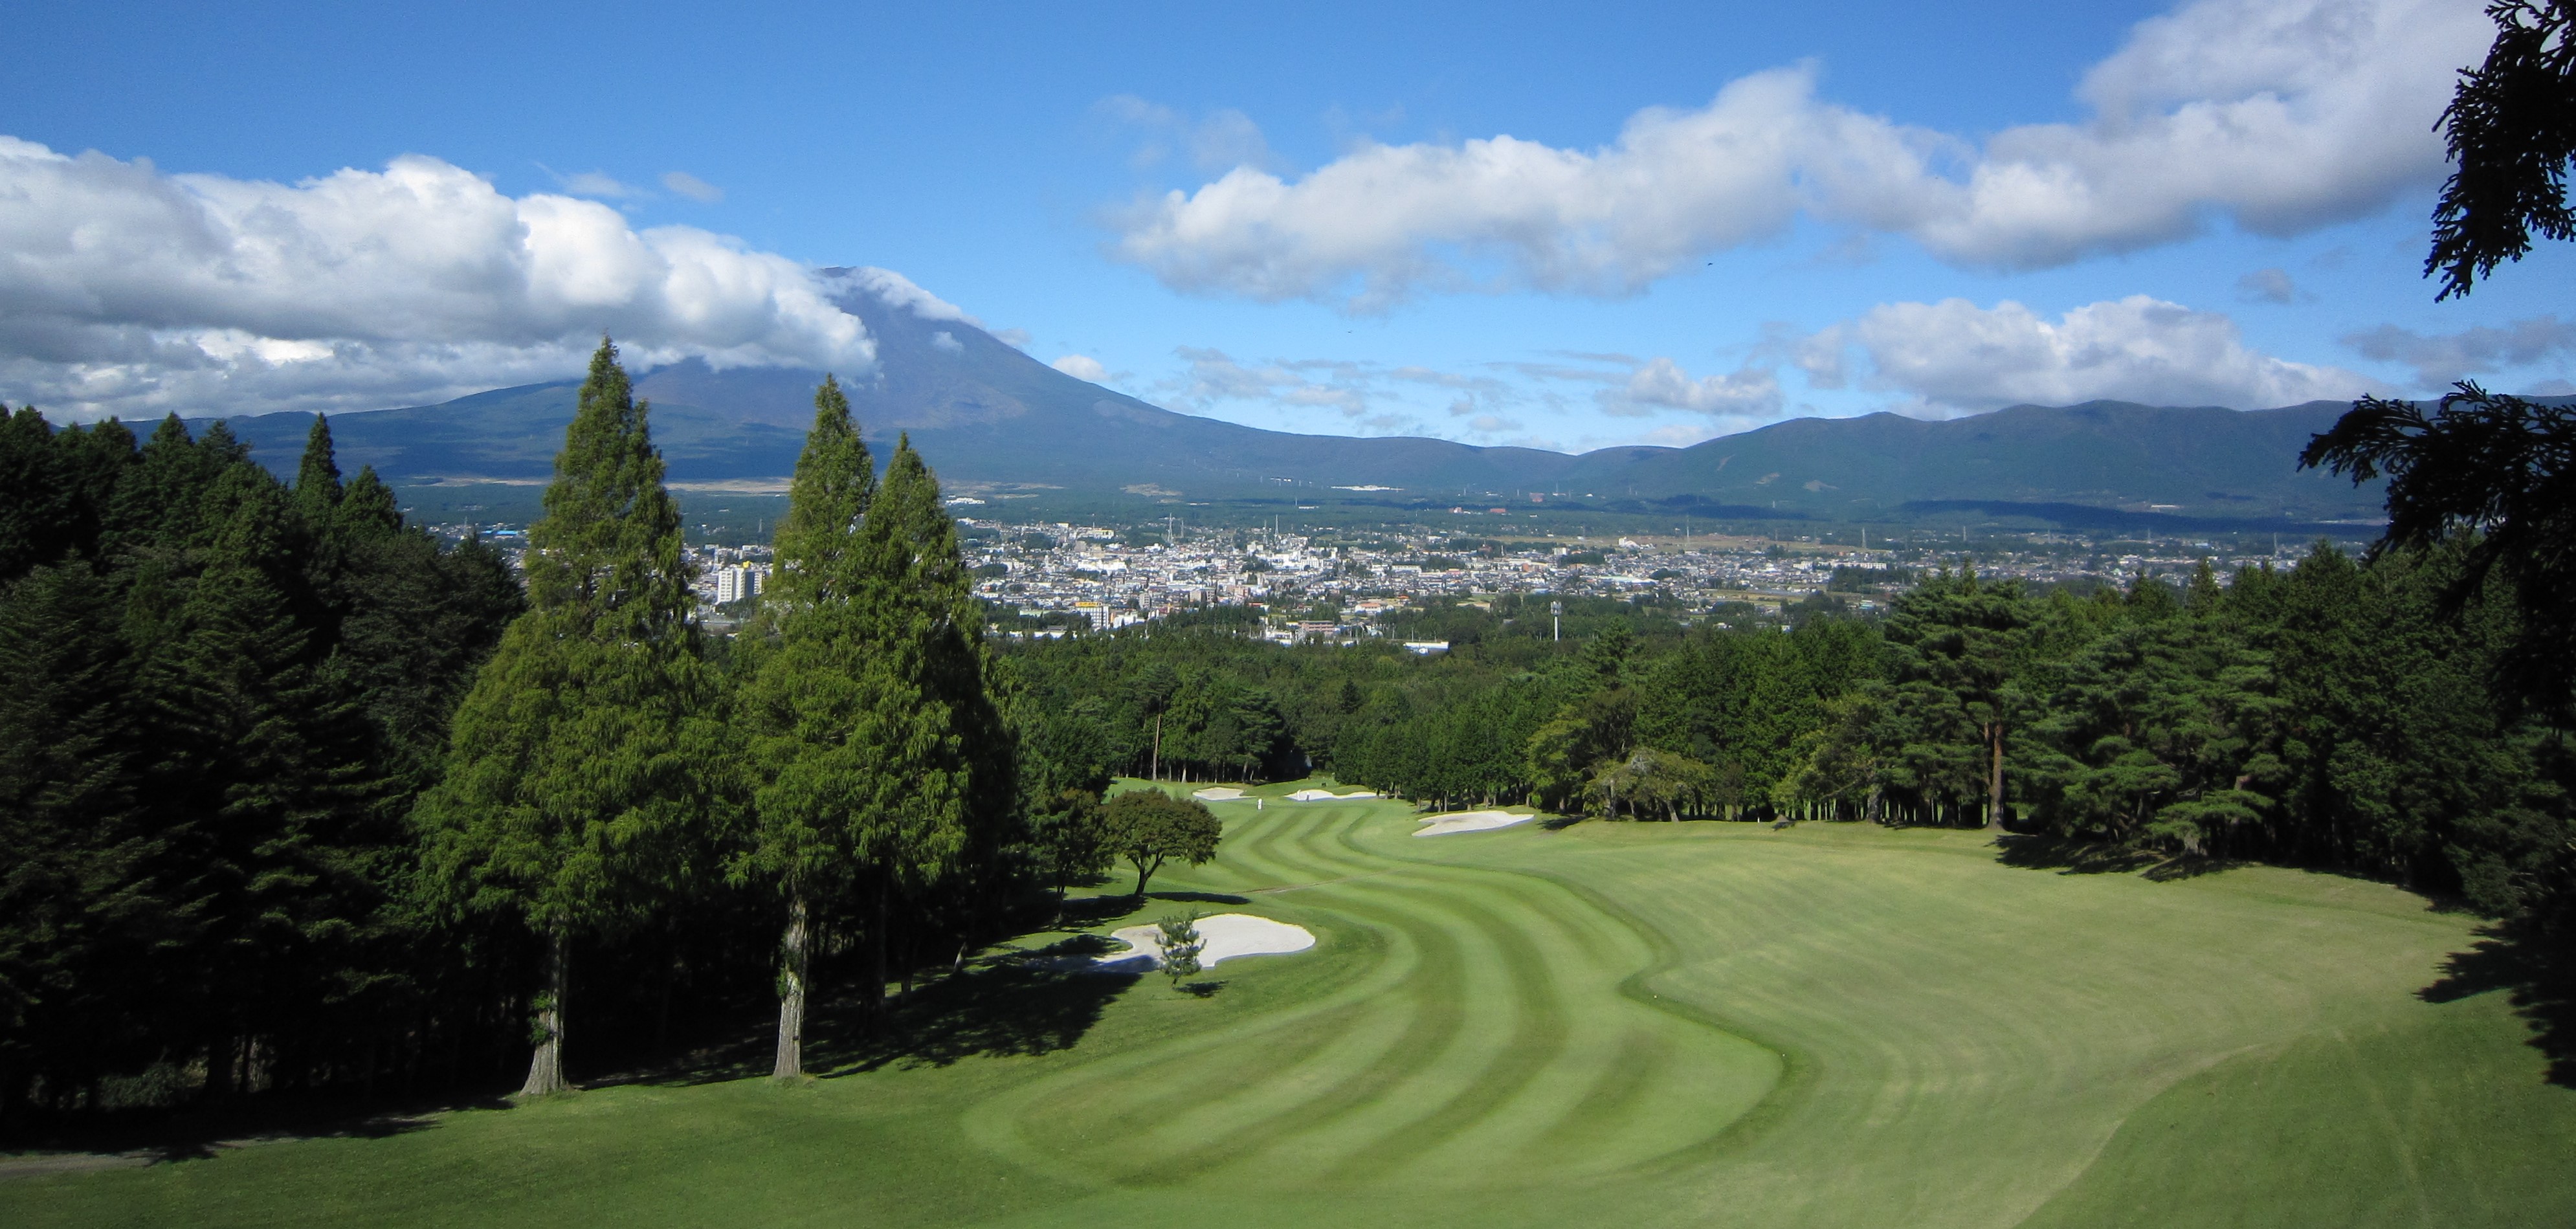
736	582
1426	648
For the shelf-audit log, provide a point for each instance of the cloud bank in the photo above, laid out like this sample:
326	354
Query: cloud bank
126	290
2278	115
2440	359
1955	356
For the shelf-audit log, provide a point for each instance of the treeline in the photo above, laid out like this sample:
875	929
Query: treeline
2331	714
2334	714
294	797
1199	697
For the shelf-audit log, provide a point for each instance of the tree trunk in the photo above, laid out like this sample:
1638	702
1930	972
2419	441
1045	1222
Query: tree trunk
1154	769
219	1068
662	1008
545	1070
877	947
1995	783
791	994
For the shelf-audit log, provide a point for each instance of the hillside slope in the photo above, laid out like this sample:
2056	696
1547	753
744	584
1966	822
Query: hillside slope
991	417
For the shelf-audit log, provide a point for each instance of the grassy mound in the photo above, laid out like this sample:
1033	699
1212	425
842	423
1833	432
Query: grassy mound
1636	1024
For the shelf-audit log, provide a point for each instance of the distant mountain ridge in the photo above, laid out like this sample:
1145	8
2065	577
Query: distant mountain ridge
990	417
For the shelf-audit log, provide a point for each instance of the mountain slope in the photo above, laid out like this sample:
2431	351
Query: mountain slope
2198	461
991	417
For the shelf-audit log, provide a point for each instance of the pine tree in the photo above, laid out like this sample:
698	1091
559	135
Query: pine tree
270	768
317	475
80	919
573	799
1958	647
32	493
1149	828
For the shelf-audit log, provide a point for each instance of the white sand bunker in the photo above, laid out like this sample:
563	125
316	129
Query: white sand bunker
1223	937
1469	821
1325	795
1219	793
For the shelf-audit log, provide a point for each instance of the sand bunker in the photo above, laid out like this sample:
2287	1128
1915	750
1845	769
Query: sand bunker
1469	821
1219	793
1325	795
1223	937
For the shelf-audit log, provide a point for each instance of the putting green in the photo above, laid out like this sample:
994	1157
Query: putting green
1638	1024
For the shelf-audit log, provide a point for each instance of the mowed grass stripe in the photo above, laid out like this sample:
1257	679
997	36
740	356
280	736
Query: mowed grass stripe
1518	944
1076	1123
1500	940
1992	1042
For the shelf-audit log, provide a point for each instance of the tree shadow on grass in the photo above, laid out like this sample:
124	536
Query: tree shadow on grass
1199	898
1021	1006
750	1051
2539	979
1081	911
152	1136
2190	866
2074	856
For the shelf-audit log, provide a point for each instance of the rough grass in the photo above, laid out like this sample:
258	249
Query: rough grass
1633	1024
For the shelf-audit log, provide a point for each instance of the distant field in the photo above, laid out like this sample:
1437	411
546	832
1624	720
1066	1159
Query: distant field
1632	1025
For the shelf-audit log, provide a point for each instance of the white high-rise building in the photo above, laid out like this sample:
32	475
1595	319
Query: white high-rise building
736	583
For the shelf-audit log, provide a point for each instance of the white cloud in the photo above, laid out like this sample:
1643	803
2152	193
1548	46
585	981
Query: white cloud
132	291
945	340
1750	392
2281	115
1956	355
692	187
1082	367
1685	434
1215	376
899	291
1017	339
2444	358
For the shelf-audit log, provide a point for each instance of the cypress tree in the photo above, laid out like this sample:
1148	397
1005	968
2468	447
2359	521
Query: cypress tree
935	788
572	799
804	700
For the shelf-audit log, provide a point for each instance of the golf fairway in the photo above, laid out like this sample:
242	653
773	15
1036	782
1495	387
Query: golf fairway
1633	1024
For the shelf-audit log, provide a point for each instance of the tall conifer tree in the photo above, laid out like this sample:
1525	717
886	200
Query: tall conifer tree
943	785
805	701
317	475
572	798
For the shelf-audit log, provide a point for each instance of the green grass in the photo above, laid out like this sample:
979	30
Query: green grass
1638	1024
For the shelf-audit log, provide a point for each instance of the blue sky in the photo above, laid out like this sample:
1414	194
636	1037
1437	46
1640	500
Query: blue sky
1703	217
